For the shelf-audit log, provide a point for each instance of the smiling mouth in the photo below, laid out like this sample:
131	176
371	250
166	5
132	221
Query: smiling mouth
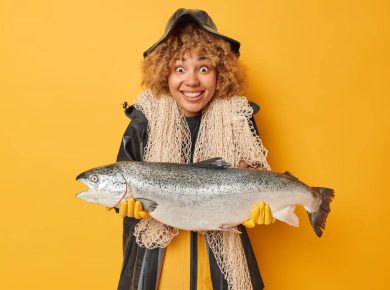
192	95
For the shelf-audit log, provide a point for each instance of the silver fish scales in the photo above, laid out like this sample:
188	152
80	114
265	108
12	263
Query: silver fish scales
207	195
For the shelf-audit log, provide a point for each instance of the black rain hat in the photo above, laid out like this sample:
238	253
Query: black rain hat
199	17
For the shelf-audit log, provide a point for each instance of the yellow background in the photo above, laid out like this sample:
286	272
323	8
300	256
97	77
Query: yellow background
319	70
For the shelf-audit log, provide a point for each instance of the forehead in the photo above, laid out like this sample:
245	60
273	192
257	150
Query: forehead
192	57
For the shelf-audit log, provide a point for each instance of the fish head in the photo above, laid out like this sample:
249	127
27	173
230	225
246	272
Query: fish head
106	185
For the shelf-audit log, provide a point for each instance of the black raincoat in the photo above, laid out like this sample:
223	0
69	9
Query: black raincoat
141	267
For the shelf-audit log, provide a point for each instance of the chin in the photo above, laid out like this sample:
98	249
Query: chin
192	110
191	113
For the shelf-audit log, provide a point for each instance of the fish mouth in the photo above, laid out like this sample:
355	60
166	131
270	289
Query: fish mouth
89	194
93	196
108	199
81	176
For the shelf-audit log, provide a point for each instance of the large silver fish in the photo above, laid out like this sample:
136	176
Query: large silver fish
207	195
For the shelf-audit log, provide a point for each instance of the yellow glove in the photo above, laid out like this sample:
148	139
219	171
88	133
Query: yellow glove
133	208
260	215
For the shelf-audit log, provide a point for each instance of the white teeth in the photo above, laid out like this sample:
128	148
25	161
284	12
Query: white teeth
192	95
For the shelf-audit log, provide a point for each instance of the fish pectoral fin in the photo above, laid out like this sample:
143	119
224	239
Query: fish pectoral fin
147	204
213	163
287	215
229	228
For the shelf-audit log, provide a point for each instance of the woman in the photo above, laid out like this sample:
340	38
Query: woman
191	111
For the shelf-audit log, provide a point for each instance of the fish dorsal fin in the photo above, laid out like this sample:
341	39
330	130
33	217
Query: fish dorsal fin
291	176
213	163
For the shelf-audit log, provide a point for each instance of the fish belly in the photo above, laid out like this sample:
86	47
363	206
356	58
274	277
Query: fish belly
199	199
220	212
215	215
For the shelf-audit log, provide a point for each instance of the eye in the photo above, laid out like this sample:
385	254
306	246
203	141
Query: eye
179	69
94	178
204	69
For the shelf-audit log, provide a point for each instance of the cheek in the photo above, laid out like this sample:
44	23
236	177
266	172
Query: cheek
211	82
173	82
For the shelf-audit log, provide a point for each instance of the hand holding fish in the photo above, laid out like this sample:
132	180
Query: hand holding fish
260	215
133	208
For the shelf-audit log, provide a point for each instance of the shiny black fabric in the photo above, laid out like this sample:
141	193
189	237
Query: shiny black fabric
141	267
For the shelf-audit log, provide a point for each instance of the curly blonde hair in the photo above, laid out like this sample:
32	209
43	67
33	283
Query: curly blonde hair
231	76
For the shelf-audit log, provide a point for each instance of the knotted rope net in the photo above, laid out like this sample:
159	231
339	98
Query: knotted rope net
225	131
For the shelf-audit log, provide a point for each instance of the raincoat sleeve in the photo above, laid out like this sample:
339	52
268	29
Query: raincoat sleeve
255	108
139	268
135	137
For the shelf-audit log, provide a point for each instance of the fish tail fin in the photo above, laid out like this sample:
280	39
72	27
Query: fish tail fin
318	218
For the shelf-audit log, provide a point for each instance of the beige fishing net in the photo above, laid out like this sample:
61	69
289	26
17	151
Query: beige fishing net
169	138
151	234
225	131
229	254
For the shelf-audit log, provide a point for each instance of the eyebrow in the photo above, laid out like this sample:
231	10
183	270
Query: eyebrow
199	58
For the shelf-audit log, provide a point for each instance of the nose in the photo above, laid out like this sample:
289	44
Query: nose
192	79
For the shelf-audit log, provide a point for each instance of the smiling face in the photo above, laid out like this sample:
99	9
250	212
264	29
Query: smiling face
192	82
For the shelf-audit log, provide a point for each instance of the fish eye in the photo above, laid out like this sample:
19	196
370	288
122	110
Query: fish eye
94	178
